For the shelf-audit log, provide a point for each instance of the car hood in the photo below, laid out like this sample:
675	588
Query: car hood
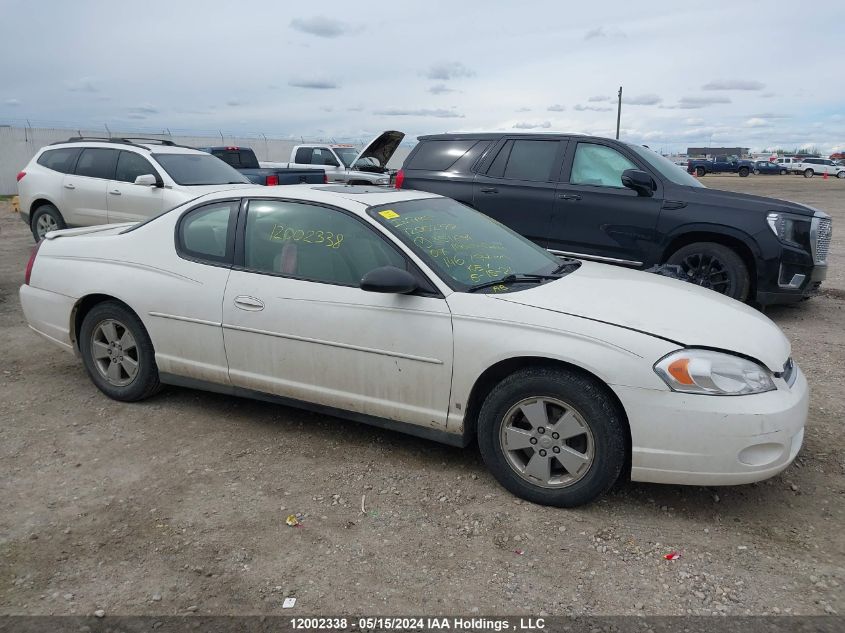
381	147
201	190
746	201
660	306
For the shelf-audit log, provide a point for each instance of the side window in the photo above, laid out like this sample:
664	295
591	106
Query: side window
97	163
131	165
60	160
203	233
303	156
313	243
531	160
439	155
598	165
323	156
497	168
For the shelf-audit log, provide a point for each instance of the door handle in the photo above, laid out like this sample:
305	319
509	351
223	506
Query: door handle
569	196
70	185
245	302
489	190
115	192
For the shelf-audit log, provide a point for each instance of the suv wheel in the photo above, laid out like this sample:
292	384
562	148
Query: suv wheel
45	219
714	266
743	172
841	174
552	436
118	353
808	173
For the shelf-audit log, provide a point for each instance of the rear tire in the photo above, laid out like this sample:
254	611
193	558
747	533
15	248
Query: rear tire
714	266
756	172
743	172
841	174
45	219
118	353
700	171
783	172
808	173
580	451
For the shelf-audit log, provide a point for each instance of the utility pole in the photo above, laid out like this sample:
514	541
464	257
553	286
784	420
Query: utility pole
619	113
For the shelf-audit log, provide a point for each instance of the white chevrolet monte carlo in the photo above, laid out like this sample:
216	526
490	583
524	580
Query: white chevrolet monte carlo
408	310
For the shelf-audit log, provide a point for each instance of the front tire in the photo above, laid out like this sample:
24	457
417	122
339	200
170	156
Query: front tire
552	436
808	173
118	353
714	266
45	219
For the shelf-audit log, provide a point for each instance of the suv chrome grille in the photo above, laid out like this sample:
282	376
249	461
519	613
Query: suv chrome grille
824	230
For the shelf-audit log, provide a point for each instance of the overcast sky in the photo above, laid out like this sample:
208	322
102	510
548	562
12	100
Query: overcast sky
749	73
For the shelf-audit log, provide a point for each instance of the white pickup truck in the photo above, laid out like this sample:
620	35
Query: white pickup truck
344	163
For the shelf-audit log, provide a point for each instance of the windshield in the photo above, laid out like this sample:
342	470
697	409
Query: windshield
665	167
198	169
464	247
346	154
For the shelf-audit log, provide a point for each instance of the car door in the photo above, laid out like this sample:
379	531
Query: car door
297	325
84	191
517	185
595	215
128	202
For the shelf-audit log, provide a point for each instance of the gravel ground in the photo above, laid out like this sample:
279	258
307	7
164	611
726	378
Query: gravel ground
178	504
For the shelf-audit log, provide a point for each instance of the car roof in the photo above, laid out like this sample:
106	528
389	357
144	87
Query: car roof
497	135
350	197
154	148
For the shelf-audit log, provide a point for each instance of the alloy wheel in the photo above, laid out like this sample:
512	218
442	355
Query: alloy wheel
44	224
115	352
547	442
707	271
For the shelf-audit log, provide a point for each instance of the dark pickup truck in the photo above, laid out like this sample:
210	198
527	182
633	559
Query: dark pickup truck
621	203
720	165
244	160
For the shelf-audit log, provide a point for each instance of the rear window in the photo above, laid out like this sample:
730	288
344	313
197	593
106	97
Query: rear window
238	158
198	169
439	155
60	160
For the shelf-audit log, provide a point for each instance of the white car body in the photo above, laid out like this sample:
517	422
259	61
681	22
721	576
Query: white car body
411	361
818	167
89	201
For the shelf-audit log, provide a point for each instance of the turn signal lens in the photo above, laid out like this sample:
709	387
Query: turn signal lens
679	371
713	373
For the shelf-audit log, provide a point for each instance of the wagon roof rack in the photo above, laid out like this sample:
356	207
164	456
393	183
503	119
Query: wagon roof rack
123	140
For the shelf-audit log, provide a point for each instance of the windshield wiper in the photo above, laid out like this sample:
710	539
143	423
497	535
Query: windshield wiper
510	279
564	264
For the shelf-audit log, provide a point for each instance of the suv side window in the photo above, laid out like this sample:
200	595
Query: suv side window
60	160
95	162
131	165
204	233
531	160
313	243
439	155
598	165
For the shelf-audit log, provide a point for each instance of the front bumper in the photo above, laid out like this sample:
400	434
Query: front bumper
714	440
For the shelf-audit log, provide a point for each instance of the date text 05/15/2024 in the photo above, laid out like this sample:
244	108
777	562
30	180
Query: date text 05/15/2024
418	624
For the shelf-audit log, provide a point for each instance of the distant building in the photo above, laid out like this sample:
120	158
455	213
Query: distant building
704	152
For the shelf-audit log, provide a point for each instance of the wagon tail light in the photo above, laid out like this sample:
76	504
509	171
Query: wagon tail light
20	176
400	178
272	180
31	262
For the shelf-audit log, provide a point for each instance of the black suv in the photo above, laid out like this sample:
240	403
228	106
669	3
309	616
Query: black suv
615	202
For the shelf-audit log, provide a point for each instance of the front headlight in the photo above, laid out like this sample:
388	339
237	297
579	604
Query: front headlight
713	373
789	228
383	181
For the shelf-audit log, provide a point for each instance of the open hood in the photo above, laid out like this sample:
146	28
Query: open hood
668	308
381	147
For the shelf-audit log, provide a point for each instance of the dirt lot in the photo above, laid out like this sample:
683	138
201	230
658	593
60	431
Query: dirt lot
178	504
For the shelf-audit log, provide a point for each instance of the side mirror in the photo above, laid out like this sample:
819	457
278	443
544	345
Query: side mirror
389	279
148	180
639	181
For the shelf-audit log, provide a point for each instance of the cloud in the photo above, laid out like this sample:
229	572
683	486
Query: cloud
322	26
556	108
694	103
440	113
647	99
145	108
693	121
136	115
357	108
444	71
523	109
591	108
440	89
83	84
233	103
313	84
12	102
767	95
600	31
532	125
598	99
757	122
733	84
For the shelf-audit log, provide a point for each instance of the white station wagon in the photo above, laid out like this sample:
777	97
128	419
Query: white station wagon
408	310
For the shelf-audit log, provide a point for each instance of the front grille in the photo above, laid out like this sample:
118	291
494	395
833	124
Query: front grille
824	230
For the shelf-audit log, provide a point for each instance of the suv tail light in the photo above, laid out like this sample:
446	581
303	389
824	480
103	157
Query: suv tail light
272	181
31	262
325	178
400	178
21	174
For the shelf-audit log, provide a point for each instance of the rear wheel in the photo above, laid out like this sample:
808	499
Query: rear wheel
841	174
552	436
783	172
808	173
743	172
714	266
756	172
700	171
118	353
45	219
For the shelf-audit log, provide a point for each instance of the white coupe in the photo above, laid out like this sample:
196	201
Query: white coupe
408	310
